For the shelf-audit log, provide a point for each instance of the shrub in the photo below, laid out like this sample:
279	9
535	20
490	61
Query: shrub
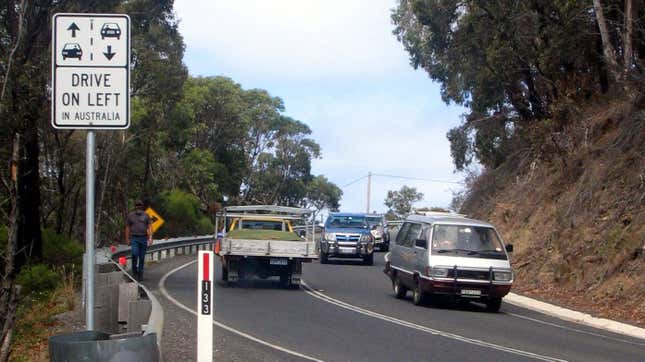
37	279
182	215
59	250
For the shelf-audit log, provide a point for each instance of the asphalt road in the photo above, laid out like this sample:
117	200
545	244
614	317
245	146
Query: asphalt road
347	312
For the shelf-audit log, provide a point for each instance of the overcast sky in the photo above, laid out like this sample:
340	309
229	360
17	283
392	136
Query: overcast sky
339	69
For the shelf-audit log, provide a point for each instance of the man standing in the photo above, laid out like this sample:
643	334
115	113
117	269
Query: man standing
138	234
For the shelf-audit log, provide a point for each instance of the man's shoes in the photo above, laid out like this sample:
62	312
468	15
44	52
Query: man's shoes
140	277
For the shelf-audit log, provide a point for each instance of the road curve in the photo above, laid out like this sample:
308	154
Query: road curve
347	312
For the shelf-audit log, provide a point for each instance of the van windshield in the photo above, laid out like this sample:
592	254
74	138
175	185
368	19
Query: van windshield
466	240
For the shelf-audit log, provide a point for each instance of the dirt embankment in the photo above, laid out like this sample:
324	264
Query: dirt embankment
574	209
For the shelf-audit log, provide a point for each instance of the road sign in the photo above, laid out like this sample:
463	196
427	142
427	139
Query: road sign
91	71
205	273
157	220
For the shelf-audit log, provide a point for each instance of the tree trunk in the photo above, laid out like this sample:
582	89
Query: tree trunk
627	39
608	51
9	293
29	238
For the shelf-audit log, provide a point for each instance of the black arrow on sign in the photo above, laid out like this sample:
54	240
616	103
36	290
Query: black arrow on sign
109	53
74	28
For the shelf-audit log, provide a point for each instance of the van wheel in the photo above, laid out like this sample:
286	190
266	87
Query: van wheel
369	259
399	290
493	304
323	258
418	296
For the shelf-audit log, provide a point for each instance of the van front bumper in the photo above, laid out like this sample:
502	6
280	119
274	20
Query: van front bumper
465	288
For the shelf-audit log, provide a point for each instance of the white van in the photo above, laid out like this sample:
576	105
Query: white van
443	253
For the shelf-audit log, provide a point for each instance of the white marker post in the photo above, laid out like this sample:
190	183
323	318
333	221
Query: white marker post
205	306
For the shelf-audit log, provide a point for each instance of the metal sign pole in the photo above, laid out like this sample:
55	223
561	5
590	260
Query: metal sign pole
89	230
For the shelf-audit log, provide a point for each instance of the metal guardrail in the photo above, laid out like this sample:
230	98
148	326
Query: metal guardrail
159	250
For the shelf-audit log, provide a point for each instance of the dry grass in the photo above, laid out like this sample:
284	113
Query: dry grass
37	321
577	217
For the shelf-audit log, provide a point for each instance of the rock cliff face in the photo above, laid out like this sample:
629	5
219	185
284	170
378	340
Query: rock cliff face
574	209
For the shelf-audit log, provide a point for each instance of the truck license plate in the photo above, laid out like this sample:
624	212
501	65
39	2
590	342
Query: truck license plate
471	292
278	261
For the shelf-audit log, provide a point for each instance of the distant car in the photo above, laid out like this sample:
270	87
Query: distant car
379	229
110	30
347	235
72	50
451	255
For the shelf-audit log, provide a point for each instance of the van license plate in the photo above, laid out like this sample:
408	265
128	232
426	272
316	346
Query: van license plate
278	261
471	292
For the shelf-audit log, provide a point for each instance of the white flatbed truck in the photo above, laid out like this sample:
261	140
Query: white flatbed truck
261	241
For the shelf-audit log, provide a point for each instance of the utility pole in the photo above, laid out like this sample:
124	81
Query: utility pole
369	187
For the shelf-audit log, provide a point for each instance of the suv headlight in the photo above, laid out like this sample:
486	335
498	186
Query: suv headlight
330	236
439	272
365	238
503	276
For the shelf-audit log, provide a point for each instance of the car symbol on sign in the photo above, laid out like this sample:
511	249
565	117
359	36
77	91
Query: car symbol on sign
72	50
110	30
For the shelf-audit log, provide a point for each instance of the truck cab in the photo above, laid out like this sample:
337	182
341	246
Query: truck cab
347	235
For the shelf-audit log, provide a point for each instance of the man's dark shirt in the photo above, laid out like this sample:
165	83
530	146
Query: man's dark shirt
138	222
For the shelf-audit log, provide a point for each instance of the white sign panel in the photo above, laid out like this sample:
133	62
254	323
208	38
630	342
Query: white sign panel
91	71
205	283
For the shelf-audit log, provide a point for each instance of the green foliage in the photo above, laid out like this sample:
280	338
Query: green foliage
182	214
510	62
59	250
400	202
37	279
323	194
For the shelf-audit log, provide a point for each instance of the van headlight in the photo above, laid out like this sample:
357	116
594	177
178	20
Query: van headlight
503	276
330	236
439	272
365	238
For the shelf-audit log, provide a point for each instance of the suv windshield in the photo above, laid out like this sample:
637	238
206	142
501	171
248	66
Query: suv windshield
374	220
465	240
341	221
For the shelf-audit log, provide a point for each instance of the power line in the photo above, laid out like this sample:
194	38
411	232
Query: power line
417	178
355	181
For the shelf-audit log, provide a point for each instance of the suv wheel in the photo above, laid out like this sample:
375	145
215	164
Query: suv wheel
493	304
369	259
399	290
323	258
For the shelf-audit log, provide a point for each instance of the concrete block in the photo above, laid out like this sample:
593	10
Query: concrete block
139	314
106	299
127	292
104	279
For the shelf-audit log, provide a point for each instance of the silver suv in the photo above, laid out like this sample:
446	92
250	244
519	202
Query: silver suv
442	253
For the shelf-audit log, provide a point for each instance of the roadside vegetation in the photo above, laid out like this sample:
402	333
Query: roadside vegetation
553	140
193	143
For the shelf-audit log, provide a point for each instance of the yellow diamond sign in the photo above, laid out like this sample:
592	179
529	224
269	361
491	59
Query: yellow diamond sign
157	220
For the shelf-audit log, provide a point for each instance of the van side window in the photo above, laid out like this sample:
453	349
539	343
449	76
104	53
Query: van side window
400	237
412	235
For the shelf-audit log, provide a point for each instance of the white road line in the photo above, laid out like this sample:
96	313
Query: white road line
162	289
574	329
421	328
